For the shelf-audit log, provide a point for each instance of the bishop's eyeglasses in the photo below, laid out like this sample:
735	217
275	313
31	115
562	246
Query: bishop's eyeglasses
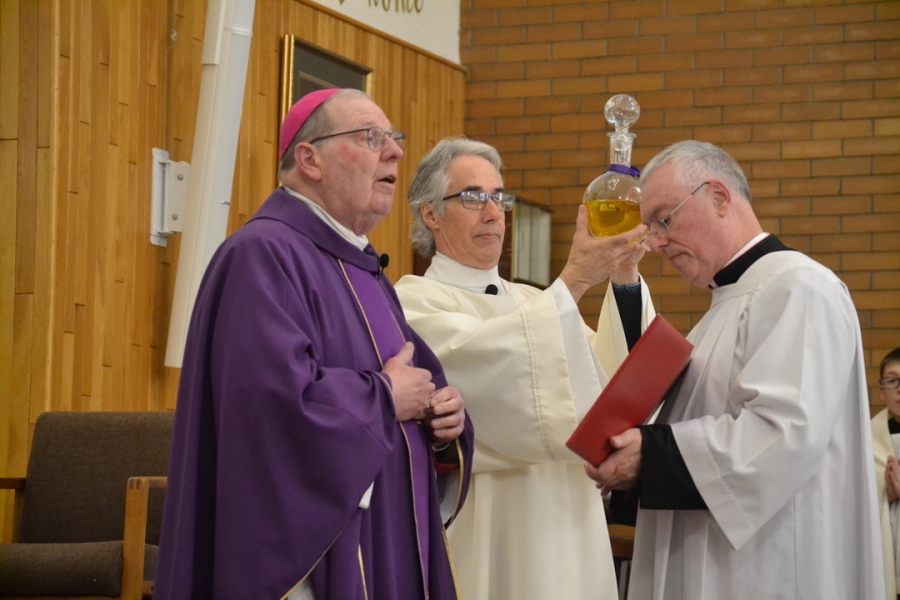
475	200
375	137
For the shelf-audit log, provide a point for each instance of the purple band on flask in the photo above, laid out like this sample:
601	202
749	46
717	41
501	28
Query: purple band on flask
625	170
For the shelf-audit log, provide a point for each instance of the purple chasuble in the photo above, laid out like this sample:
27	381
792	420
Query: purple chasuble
388	340
284	420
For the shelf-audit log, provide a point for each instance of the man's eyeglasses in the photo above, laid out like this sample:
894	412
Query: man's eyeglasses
665	223
375	137
889	383
474	200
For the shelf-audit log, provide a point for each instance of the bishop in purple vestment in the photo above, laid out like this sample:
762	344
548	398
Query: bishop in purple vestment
318	450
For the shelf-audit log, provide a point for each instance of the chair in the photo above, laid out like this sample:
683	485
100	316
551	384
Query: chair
89	510
621	539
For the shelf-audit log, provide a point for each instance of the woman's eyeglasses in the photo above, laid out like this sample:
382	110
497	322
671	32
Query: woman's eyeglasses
474	200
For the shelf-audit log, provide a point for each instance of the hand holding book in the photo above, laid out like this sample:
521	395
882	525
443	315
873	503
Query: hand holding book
636	389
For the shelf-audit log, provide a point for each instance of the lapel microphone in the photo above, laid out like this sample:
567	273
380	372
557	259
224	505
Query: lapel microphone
383	261
491	289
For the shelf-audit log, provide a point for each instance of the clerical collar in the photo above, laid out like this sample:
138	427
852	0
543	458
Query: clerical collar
448	271
893	425
758	247
360	241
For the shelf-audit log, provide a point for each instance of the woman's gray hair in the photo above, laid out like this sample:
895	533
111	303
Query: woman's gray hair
695	162
317	124
430	183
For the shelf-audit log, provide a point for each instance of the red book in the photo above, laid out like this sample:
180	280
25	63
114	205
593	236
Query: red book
639	385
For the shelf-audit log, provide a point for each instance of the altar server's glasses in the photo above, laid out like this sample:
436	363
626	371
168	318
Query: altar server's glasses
889	383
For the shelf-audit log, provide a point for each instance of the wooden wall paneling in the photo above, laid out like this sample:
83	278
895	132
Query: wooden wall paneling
268	89
76	249
106	385
242	179
177	137
156	19
121	195
267	73
181	93
159	301
115	73
150	133
137	223
128	61
10	377
101	32
17	382
19	63
78	341
74	359
156	300
141	398
112	375
154	342
62	375
36	202
62	150
46	51
8	314
121	199
81	39
68	79
402	102
26	382
256	160
108	328
95	342
9	74
61	263
132	368
153	310
121	66
69	300
27	136
62	27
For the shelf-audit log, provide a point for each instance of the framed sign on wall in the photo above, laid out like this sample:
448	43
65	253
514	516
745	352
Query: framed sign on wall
308	68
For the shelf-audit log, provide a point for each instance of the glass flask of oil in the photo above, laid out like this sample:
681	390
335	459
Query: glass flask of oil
613	198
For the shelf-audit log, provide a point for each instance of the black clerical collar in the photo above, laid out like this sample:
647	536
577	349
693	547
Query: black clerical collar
893	425
733	271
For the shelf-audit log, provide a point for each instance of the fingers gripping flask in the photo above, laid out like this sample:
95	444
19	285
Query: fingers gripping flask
613	198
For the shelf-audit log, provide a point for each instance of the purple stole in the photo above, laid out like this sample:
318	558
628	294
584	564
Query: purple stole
388	339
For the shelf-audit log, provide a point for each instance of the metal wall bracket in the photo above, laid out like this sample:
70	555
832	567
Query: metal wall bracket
170	189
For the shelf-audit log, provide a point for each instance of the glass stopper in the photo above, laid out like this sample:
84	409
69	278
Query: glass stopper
622	111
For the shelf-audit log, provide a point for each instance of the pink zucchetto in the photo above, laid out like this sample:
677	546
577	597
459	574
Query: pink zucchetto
299	113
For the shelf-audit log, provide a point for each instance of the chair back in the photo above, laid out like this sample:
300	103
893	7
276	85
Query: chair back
79	465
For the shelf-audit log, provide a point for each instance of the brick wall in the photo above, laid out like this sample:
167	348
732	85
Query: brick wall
806	97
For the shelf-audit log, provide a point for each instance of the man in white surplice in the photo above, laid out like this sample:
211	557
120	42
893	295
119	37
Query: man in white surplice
756	480
533	526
